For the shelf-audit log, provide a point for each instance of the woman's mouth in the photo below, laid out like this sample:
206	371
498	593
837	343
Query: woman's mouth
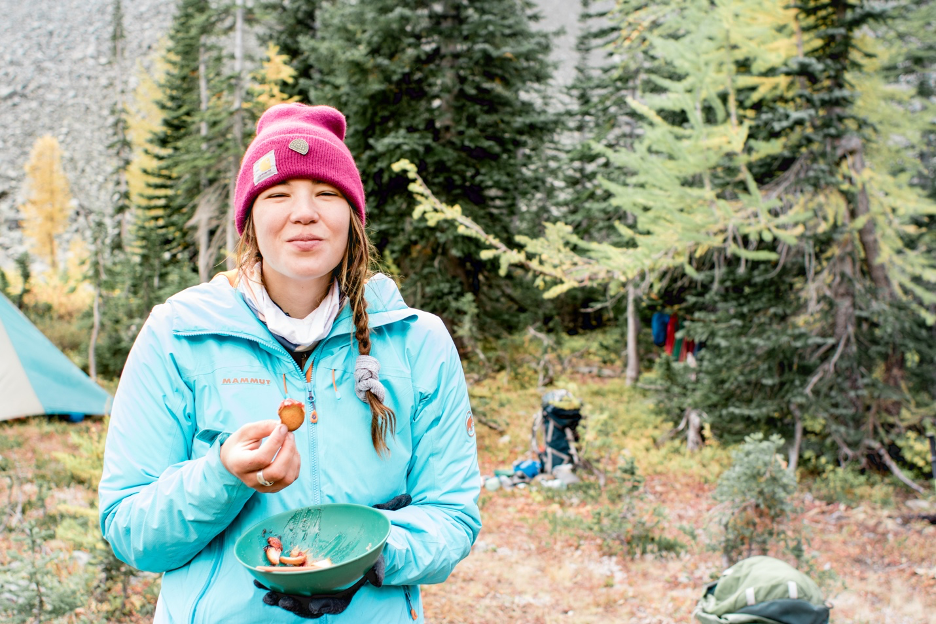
305	243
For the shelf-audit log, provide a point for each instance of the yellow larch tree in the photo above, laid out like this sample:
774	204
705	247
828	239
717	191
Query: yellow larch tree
48	198
275	72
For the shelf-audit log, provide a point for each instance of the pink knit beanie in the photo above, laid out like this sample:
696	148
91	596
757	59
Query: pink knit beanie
297	141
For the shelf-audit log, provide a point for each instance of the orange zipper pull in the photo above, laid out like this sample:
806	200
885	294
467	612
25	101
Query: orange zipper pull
313	416
335	386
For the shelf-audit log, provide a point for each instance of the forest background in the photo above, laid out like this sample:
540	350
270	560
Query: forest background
763	172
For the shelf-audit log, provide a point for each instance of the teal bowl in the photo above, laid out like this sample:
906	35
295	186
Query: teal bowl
352	536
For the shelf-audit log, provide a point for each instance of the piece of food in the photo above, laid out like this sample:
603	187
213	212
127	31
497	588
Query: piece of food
321	563
296	561
285	568
296	557
274	549
291	413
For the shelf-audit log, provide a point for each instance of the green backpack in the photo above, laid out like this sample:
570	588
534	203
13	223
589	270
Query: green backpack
763	590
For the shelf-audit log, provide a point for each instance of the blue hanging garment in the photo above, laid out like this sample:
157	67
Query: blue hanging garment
658	324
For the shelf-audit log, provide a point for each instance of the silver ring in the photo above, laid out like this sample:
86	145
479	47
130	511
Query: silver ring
263	481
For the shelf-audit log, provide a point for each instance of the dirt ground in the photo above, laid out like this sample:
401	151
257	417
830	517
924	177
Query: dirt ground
523	569
519	572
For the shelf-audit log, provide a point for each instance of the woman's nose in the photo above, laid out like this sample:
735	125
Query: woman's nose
305	209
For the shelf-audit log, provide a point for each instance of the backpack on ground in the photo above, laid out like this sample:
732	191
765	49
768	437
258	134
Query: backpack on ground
557	423
762	590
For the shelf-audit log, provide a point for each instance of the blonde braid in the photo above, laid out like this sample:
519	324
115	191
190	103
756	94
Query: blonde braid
352	275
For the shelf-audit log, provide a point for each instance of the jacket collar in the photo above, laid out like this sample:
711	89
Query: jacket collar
217	308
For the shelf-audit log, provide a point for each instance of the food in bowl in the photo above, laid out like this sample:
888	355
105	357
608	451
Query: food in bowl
297	559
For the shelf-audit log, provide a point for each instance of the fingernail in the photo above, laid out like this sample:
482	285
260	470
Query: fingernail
281	429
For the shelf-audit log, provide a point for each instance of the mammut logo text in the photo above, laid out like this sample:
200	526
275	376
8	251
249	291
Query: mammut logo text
245	380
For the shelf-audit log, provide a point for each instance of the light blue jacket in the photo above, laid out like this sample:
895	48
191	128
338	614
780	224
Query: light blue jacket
204	365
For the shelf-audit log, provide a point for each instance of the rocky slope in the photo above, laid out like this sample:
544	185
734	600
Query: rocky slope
55	79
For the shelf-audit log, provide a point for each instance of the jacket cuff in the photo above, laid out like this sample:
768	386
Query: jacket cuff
395	551
219	477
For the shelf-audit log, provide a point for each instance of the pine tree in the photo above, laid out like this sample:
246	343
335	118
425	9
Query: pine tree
190	177
48	203
755	496
753	370
120	146
865	265
107	247
457	87
291	25
79	526
607	73
127	295
24	272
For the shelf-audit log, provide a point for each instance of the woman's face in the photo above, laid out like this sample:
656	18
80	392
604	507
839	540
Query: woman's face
302	229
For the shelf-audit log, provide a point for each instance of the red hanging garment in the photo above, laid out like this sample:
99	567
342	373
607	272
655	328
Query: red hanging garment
688	347
671	329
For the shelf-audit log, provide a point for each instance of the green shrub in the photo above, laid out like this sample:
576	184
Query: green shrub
625	524
755	500
37	584
845	484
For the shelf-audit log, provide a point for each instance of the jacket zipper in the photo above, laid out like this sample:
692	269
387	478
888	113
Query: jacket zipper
216	561
313	432
409	603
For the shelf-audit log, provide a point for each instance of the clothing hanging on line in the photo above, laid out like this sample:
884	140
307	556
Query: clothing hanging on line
658	323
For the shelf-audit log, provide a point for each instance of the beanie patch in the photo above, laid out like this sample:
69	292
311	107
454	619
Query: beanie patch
264	168
300	146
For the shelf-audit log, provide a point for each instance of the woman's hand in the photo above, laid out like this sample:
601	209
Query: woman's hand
244	455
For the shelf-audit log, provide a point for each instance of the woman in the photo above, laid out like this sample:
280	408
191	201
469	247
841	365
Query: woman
195	454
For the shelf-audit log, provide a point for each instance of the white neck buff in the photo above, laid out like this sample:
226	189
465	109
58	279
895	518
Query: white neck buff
296	334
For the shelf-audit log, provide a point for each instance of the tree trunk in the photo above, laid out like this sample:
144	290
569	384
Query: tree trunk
694	432
203	224
95	329
203	93
633	362
449	52
797	440
238	128
852	148
122	156
893	467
